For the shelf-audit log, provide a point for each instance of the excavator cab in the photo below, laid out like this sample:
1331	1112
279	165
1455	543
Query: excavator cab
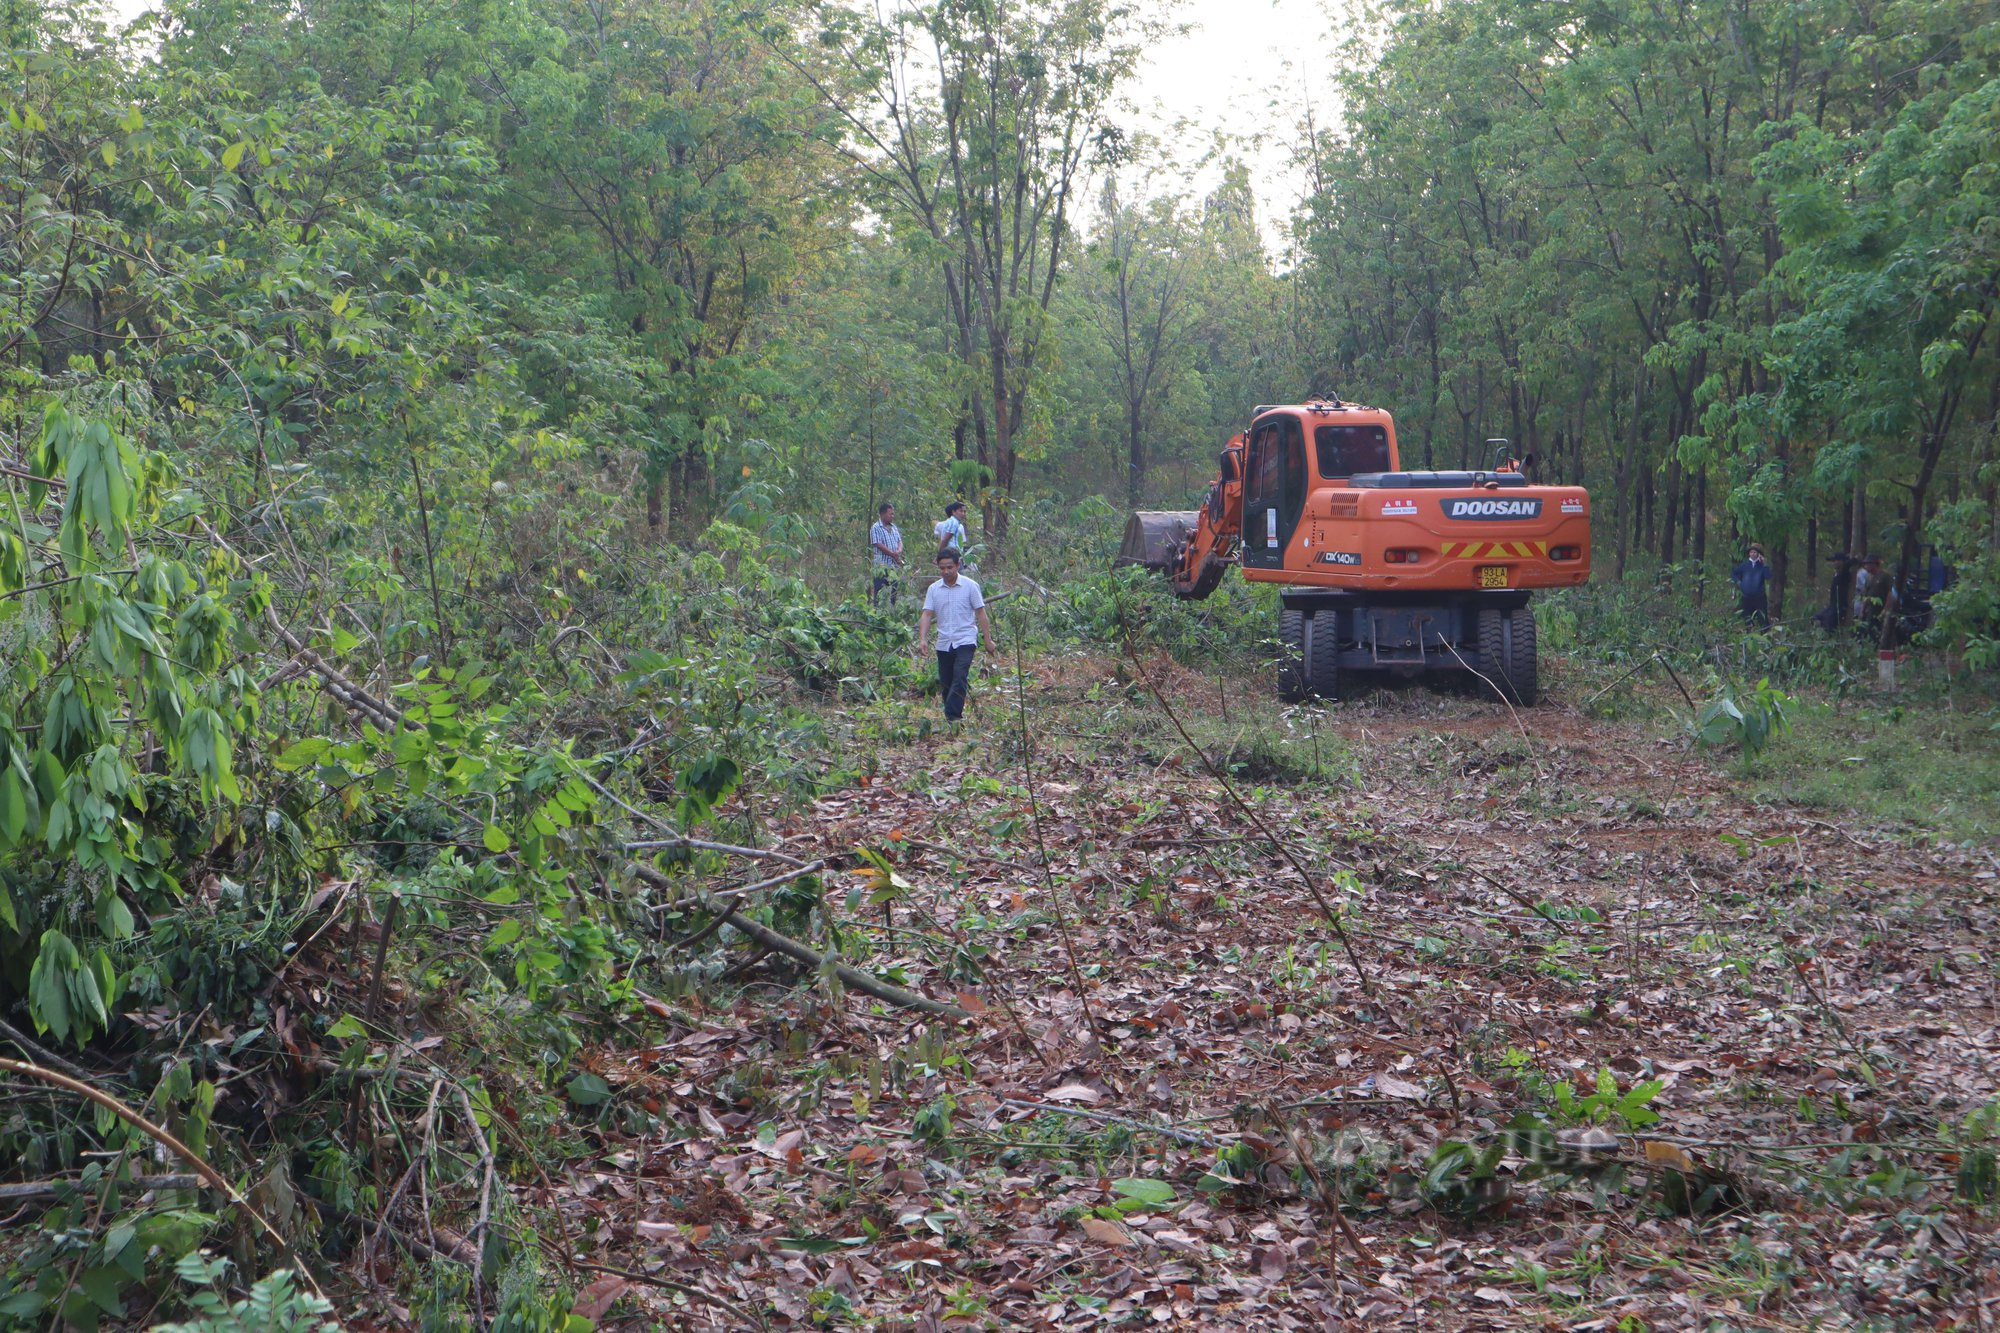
1274	490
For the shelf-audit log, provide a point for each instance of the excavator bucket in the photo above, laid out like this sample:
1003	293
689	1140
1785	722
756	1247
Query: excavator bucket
1154	537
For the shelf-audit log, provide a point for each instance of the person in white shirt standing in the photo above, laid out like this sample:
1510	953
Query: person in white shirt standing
954	605
887	540
951	530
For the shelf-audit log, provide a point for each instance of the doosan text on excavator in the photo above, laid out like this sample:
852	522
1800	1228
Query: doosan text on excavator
1383	570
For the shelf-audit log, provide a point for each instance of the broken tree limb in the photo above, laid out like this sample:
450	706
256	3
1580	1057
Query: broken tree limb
733	898
343	690
792	949
49	1189
1326	910
40	1054
674	839
702	845
384	716
1174	1132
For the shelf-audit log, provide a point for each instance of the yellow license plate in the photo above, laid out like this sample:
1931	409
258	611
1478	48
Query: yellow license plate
1493	576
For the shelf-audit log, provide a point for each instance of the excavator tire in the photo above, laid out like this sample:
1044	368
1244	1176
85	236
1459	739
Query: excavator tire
1509	657
1323	657
1291	656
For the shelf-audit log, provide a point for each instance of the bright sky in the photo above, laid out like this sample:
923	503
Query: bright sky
1248	69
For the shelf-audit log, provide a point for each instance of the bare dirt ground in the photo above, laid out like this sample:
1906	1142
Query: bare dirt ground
1751	1044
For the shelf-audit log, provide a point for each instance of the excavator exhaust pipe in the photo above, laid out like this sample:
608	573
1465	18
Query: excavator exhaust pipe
1154	538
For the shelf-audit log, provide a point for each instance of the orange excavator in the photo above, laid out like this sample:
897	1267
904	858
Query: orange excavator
1383	570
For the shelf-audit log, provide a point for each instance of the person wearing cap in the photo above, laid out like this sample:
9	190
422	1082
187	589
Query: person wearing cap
1752	578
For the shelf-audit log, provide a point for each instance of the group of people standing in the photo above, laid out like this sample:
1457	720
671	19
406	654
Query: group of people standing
953	605
1753	574
1863	592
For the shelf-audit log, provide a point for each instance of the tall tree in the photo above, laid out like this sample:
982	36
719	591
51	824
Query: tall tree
976	120
1140	299
673	143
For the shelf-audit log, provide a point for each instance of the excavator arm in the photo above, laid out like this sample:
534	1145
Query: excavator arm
1193	547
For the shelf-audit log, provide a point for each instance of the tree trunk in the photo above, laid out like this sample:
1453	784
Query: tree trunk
689	487
1135	455
1858	516
1913	521
1670	511
1624	482
1701	515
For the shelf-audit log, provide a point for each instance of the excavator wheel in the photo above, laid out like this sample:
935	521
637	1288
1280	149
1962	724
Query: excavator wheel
1323	657
1291	656
1507	653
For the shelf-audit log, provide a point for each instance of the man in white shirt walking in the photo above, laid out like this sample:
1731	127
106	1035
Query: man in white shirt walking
954	605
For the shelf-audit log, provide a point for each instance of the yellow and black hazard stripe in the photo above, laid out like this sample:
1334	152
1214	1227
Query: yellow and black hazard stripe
1489	550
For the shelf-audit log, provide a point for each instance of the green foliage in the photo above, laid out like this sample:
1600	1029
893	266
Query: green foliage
275	1303
1748	725
85	1273
1606	1104
133	664
1460	1180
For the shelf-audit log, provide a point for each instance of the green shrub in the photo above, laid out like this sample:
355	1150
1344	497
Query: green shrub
1749	725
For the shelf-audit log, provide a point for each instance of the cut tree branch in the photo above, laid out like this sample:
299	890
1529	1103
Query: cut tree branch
792	949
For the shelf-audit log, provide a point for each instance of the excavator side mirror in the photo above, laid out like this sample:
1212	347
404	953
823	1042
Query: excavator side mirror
1226	462
1527	461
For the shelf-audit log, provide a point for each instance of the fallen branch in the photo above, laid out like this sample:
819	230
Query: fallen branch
956	853
428	1125
1174	1132
460	1253
343	690
791	948
384	716
666	1284
1512	711
40	1054
674	839
1643	664
486	1182
734	898
1328	1195
160	1135
703	845
578	630
1525	901
1041	846
49	1189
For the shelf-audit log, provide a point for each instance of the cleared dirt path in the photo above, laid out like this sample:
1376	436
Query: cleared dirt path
1584	924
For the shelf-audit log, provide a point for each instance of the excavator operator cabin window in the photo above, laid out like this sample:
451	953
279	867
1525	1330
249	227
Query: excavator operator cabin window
1346	450
1292	455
